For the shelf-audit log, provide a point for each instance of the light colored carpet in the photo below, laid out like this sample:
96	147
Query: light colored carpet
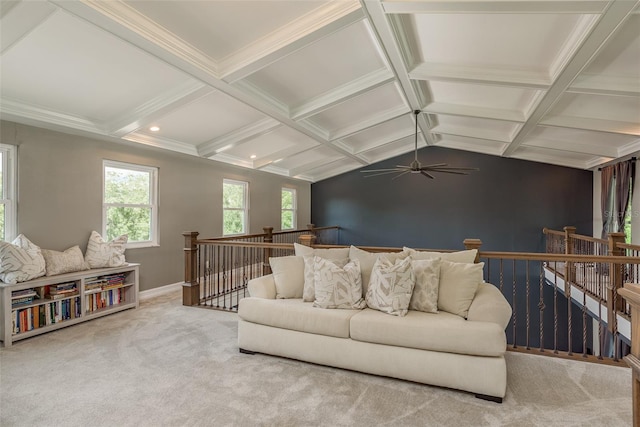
168	365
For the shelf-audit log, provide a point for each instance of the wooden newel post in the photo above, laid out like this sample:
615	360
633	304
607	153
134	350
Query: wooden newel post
473	244
570	272
616	277
268	238
191	285
307	239
631	292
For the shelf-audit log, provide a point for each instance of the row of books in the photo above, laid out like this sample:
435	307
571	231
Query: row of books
105	299
22	297
109	281
27	319
61	290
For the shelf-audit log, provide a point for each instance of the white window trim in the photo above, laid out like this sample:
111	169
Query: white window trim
245	209
10	180
153	174
294	210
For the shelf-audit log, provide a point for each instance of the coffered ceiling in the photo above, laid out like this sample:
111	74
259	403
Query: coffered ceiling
312	89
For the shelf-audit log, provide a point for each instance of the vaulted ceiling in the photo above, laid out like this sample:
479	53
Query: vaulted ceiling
312	89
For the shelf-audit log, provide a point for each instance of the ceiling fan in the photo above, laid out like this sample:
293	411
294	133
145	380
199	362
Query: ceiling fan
416	166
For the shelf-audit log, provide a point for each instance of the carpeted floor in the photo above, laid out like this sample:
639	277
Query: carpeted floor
168	365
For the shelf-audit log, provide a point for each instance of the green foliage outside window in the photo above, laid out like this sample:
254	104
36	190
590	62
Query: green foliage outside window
128	187
233	204
288	209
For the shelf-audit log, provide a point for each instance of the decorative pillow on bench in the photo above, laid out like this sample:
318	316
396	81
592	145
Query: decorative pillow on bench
68	261
101	254
20	260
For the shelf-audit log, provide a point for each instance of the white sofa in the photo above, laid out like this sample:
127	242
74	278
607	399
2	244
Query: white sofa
440	349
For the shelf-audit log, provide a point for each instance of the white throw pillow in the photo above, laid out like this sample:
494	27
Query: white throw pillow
460	256
458	285
20	260
391	286
288	275
425	293
334	254
309	291
337	287
368	259
101	254
64	262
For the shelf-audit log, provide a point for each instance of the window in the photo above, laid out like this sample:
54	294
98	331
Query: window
288	217
235	207
130	203
7	192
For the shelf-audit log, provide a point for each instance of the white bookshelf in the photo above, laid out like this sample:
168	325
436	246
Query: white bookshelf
85	301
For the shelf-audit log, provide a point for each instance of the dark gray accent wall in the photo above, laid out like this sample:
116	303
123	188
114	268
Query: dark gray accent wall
60	195
506	204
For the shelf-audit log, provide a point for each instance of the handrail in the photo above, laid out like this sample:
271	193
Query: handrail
546	230
588	238
628	246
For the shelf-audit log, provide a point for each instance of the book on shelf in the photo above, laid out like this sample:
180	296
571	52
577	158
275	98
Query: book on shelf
23	293
59	295
20	301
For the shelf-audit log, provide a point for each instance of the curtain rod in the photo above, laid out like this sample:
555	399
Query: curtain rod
633	159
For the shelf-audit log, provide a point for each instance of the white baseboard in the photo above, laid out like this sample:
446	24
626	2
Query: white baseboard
160	290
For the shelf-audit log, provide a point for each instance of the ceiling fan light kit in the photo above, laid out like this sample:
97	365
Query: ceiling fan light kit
416	167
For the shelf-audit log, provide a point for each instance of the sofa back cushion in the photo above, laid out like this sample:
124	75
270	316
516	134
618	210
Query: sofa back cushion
458	285
288	276
468	256
368	259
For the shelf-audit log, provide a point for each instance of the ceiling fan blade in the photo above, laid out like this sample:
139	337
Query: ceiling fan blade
448	171
380	170
403	167
382	173
428	175
453	168
437	165
400	174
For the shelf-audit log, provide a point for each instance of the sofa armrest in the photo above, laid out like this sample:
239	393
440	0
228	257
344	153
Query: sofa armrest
262	287
489	305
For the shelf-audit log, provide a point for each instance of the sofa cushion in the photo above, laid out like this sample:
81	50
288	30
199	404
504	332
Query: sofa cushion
336	286
391	286
425	293
309	287
288	275
367	259
442	332
296	315
468	256
458	285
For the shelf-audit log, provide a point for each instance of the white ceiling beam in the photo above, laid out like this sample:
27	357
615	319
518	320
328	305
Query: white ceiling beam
630	148
552	160
455	6
610	21
164	143
307	167
606	85
487	134
573	147
342	93
237	137
482	75
473	144
125	22
155	108
469	111
279	155
329	18
590	123
18	19
391	139
371	121
386	36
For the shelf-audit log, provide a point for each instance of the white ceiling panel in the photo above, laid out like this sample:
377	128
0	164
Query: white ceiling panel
311	89
331	62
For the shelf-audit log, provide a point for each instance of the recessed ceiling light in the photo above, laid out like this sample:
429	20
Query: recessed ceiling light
154	128
253	156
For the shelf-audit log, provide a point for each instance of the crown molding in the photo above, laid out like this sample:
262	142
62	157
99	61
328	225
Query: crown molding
466	7
42	115
164	143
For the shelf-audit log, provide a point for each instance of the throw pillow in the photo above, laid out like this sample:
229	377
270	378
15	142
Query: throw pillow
425	293
458	285
64	262
335	254
20	260
337	287
102	254
368	259
468	256
288	275
391	286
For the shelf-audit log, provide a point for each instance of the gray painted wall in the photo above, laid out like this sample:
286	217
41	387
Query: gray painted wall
60	195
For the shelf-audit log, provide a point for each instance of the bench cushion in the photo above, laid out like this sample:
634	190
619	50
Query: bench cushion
296	315
444	332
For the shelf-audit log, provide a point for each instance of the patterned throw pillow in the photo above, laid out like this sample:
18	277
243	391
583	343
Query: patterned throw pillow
101	254
391	286
64	262
309	289
337	287
458	285
425	293
20	261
